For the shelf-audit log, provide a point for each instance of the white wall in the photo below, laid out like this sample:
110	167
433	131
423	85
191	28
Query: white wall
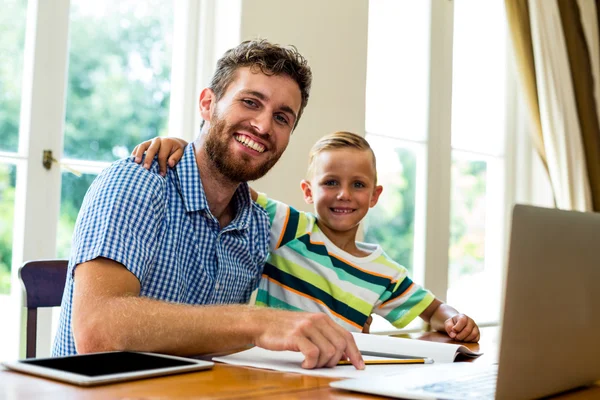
332	35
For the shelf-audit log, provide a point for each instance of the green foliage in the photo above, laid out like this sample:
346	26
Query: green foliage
119	79
117	95
467	225
12	40
391	222
118	91
72	194
7	201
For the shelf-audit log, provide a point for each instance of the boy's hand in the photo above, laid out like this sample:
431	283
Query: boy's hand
463	328
458	326
169	149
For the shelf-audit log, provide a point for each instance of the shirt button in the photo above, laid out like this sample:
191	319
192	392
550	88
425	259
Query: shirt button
217	286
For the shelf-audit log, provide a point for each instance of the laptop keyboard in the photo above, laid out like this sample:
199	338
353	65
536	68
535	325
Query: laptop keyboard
481	385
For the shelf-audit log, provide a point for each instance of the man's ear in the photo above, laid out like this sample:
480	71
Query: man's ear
376	193
206	103
307	191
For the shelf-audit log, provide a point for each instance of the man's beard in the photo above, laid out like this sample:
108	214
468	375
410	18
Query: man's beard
217	148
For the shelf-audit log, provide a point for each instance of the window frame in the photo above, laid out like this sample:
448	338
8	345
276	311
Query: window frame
42	121
433	193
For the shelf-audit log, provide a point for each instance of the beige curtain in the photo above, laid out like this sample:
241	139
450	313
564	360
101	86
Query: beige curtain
580	25
517	13
556	47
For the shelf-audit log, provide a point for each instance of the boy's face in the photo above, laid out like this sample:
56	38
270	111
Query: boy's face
342	189
250	126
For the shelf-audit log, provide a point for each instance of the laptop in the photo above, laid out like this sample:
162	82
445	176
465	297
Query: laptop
549	335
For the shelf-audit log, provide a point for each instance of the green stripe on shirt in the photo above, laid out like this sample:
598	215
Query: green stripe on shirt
321	282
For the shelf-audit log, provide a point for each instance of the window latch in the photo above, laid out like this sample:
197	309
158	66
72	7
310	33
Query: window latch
48	159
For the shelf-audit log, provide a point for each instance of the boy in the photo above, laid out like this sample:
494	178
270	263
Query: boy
316	264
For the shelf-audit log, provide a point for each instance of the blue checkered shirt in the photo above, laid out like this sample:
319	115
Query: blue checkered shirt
162	231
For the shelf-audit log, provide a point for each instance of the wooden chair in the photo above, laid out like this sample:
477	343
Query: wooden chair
44	282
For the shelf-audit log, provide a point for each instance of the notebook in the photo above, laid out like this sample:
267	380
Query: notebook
374	348
109	367
549	335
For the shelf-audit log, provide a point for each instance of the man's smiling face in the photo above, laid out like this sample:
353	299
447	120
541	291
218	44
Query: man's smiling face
250	126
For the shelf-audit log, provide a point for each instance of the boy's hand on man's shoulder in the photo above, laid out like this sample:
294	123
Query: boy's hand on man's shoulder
461	327
169	151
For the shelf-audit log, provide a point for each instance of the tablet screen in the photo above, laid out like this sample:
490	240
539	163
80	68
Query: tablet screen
108	363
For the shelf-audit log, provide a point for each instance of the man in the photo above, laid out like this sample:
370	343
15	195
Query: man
164	264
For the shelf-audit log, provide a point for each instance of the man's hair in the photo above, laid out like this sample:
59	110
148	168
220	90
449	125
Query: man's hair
268	58
336	141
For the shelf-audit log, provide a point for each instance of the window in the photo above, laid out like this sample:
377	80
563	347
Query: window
118	91
7	210
87	81
478	157
440	157
392	222
396	121
12	26
119	76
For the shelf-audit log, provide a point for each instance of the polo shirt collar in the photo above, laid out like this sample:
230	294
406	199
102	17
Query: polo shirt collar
194	197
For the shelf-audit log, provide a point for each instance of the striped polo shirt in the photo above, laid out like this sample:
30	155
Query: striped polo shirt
306	271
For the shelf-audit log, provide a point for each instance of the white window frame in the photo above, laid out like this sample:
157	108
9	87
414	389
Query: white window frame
437	204
433	191
43	102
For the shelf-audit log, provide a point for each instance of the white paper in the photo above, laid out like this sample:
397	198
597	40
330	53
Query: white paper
289	361
439	352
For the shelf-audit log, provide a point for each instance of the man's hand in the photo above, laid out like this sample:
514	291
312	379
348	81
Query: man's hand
462	327
169	150
322	342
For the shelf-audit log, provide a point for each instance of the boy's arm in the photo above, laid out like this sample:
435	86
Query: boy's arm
169	150
444	318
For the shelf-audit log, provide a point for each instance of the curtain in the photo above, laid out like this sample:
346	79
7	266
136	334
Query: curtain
556	48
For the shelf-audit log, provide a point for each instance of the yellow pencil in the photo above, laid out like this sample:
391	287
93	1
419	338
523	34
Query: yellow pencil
392	361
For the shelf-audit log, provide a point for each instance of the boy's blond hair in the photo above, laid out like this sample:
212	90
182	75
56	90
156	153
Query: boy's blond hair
336	141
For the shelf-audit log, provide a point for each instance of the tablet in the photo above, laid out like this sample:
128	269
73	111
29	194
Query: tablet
109	367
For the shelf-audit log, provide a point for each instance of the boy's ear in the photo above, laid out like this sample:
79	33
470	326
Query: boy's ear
206	103
376	193
307	191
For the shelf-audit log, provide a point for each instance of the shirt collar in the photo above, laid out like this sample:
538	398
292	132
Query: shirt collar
194	197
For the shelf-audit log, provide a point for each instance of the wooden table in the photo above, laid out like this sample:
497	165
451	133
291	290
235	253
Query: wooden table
229	382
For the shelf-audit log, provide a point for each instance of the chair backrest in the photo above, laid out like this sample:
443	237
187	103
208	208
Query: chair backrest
44	282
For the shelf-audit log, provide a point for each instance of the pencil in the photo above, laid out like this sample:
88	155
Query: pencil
392	361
